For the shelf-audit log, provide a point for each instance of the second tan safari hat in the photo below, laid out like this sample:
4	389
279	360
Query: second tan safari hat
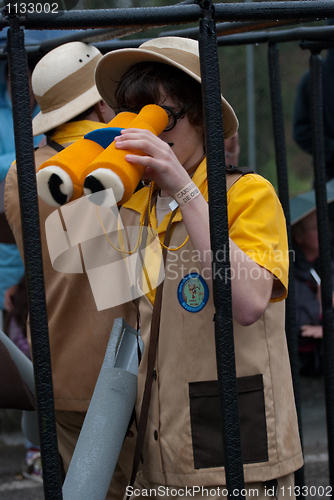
63	84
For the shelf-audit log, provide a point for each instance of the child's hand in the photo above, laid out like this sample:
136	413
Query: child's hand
162	165
314	331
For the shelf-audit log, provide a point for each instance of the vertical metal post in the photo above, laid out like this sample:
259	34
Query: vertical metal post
220	240
251	124
318	146
33	259
283	191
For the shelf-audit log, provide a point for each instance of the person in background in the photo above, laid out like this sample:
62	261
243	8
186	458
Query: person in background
308	294
301	125
11	265
78	332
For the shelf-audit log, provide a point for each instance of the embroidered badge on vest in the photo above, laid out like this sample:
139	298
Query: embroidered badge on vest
193	292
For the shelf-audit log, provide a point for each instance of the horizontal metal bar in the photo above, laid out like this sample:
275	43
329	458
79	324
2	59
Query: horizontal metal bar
302	33
235	27
38	51
313	38
147	17
176	14
322	37
317	47
305	35
274	10
88	36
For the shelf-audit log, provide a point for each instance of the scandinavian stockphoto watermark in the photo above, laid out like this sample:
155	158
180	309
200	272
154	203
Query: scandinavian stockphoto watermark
121	264
221	491
189	491
180	263
124	263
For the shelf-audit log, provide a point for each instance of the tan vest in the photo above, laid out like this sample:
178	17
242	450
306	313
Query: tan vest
183	444
78	332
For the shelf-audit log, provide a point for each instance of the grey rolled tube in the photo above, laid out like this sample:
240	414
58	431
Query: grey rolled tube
29	424
106	423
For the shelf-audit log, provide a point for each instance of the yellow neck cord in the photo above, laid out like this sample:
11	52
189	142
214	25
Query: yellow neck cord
150	223
110	242
140	229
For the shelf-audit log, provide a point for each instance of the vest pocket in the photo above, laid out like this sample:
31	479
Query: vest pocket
206	424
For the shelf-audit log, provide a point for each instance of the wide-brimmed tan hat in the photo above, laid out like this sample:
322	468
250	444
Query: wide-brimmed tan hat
304	204
63	84
175	51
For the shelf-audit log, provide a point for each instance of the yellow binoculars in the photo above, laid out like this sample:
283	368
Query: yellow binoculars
93	164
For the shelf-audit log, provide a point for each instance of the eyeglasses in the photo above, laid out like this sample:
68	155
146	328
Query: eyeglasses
173	116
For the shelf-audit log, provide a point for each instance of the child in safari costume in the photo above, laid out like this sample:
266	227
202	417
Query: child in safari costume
183	443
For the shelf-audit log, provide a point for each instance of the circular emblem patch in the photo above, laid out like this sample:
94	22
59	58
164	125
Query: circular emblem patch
193	292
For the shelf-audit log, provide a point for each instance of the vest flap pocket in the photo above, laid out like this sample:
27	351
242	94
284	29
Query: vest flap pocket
206	424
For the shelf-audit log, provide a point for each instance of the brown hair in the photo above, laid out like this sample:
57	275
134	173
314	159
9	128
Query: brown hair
141	85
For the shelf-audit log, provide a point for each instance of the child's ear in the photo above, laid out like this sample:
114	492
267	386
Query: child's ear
104	112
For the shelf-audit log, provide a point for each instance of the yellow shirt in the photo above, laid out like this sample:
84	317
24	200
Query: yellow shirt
72	131
255	218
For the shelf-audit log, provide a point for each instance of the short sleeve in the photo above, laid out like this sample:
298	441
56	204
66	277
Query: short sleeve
257	225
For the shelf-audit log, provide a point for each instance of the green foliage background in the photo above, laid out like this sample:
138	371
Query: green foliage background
293	63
